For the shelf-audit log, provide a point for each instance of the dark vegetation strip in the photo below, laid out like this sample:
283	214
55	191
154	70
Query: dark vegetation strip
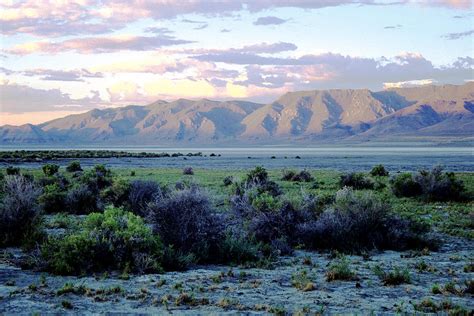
141	226
46	155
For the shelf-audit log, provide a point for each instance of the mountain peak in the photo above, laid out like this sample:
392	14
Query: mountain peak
299	116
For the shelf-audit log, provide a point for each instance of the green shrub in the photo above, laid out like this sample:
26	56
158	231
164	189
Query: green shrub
97	178
12	171
228	180
288	175
427	305
141	193
340	270
435	289
239	249
176	260
50	169
434	185
19	212
62	220
360	223
117	194
396	276
257	175
188	171
74	166
186	220
80	199
53	199
302	280
403	185
437	185
114	239
379	171
302	176
265	202
257	179
356	180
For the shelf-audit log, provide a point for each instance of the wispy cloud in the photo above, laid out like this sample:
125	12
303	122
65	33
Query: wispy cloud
18	98
338	71
158	30
269	20
63	75
260	48
95	45
201	27
455	36
54	74
61	18
388	27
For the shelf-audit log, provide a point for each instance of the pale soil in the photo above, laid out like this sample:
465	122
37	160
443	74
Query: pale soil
258	291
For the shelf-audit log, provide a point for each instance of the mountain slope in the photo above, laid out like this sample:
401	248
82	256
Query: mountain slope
436	111
304	117
181	120
309	113
28	133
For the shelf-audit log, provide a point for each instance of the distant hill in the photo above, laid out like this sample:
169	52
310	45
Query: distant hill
302	117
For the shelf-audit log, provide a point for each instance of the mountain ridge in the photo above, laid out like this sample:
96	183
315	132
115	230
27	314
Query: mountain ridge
302	116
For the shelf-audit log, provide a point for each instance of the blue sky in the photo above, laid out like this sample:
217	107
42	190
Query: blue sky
67	57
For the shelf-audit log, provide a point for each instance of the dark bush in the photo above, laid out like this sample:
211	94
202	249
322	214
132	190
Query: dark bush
141	193
81	200
116	194
288	175
176	260
97	178
238	248
19	211
74	166
12	171
258	175
277	227
268	219
379	171
434	185
302	176
187	222
437	185
53	199
114	239
356	180
270	187
57	179
357	224
257	181
315	204
404	185
50	169
188	171
228	180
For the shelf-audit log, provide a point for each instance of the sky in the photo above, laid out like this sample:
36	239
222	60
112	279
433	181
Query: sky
61	57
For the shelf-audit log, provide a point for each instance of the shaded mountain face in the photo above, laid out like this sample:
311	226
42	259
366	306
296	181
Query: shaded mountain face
304	116
178	121
24	134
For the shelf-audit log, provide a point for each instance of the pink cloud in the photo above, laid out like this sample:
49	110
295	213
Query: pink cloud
75	17
93	45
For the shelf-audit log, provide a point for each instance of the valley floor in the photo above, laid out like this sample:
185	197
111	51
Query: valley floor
224	289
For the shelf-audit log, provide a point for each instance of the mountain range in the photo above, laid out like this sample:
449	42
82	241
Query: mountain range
318	116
